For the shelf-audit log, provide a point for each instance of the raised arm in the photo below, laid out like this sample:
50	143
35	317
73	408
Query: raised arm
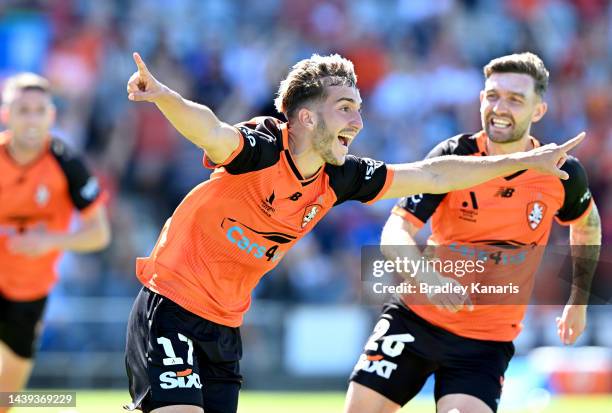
452	172
194	121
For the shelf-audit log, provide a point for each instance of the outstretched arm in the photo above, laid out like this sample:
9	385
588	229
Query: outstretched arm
194	121
452	172
585	241
92	234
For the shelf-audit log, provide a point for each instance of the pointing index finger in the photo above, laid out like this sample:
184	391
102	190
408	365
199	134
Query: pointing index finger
142	68
573	142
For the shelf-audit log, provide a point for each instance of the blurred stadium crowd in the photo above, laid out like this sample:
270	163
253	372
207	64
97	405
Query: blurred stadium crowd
419	71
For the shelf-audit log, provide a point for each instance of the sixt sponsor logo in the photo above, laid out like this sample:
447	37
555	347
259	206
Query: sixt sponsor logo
247	240
185	379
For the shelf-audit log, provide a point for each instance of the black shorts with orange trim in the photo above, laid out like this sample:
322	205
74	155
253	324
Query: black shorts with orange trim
404	350
174	357
20	325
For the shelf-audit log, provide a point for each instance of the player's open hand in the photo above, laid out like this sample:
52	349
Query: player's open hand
550	158
31	244
452	301
142	86
571	324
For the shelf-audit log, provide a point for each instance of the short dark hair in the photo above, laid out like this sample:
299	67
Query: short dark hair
21	82
526	63
309	78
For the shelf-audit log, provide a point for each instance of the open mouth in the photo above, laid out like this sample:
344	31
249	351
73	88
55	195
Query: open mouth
344	140
500	123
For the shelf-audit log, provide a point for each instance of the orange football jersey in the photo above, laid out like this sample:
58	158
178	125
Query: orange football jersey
516	210
233	228
42	194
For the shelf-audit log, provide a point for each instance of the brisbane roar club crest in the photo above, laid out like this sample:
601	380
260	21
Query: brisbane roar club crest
42	195
310	212
535	213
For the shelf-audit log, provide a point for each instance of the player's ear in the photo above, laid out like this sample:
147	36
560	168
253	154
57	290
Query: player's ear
540	111
307	118
482	95
52	114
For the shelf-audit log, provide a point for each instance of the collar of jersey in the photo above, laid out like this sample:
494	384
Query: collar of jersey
481	141
289	159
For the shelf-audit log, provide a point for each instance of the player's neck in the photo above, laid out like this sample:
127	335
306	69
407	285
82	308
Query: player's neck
21	155
306	159
521	145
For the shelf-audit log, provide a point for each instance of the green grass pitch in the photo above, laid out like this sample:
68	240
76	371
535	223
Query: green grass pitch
332	402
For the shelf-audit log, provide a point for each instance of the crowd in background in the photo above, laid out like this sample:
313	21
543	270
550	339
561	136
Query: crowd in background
419	66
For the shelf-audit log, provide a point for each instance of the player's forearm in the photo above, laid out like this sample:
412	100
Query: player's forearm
585	240
195	122
453	172
448	173
85	239
397	241
396	244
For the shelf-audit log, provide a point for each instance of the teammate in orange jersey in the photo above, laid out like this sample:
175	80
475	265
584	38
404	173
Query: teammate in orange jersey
41	185
272	182
467	347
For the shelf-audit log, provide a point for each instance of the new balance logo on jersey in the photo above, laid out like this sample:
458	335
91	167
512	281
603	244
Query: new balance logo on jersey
185	379
505	192
270	199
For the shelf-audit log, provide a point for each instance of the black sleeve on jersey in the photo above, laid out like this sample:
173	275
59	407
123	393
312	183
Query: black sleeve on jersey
359	179
577	194
84	188
423	206
261	147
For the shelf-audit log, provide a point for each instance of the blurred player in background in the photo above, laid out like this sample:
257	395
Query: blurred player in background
41	184
467	347
272	182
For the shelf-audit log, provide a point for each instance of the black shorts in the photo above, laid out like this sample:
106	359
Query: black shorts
404	350
20	325
175	357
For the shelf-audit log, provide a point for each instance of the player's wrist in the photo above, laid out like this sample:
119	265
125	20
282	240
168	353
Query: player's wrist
165	96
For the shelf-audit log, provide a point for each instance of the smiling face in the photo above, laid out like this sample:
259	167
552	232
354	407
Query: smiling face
338	123
508	106
29	116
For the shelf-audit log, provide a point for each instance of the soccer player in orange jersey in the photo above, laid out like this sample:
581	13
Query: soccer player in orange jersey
468	347
272	182
42	183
